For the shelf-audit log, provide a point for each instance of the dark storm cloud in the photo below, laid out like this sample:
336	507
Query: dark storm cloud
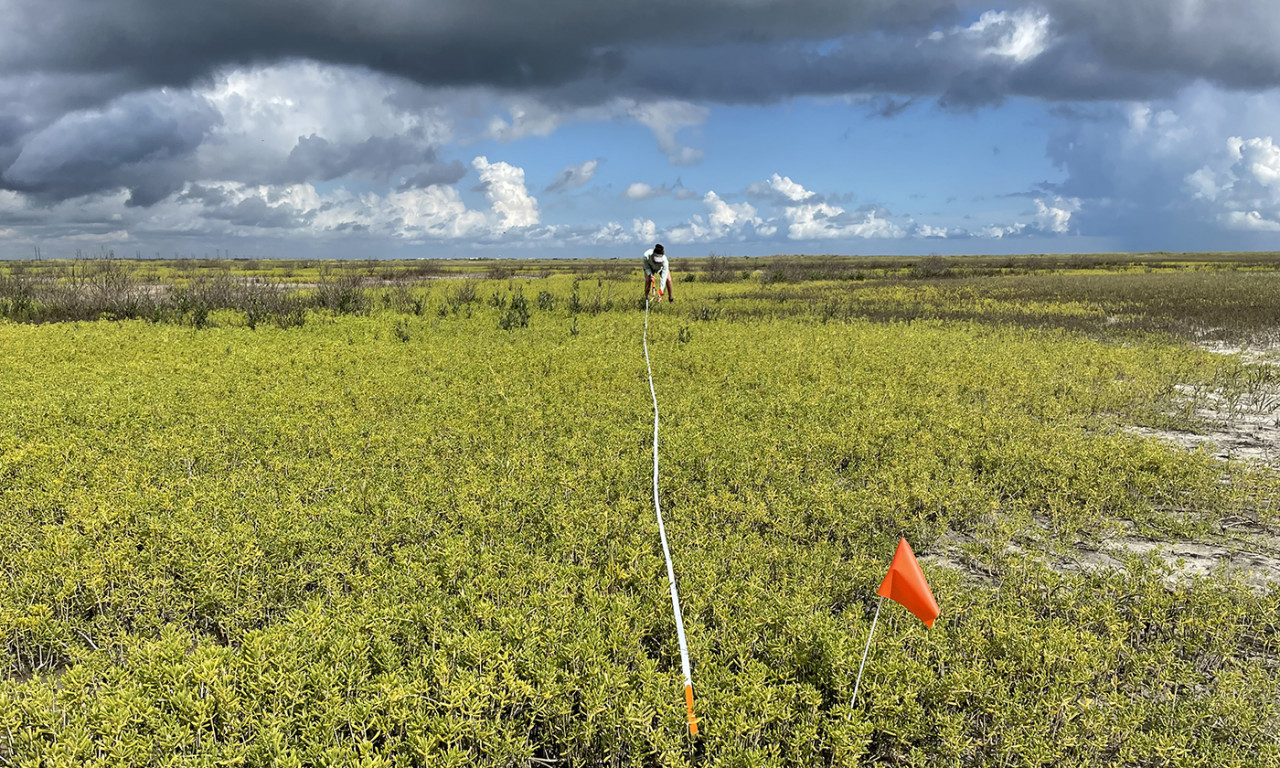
1072	70
1230	42
446	174
453	42
31	100
714	50
957	68
257	212
138	143
11	129
316	159
1104	49
153	187
199	193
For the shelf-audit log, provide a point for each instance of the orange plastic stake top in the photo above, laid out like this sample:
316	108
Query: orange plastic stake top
688	702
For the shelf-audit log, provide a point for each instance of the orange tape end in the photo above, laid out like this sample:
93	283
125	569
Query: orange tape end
688	703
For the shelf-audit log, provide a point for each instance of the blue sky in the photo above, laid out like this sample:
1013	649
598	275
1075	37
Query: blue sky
950	170
451	128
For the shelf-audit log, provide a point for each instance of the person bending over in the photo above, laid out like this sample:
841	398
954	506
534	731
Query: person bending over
656	264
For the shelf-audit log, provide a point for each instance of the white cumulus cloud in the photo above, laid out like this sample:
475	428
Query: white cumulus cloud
723	220
1055	216
611	233
1250	221
270	113
644	230
928	230
997	232
1245	187
504	186
1020	35
809	218
642	191
788	188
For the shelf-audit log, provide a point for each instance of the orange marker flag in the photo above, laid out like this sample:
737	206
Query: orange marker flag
905	584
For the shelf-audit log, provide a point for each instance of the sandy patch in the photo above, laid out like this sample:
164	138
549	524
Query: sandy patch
1250	553
1248	353
1255	563
1251	437
1244	426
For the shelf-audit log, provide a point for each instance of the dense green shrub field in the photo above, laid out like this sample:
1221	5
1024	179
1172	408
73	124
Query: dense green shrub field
417	530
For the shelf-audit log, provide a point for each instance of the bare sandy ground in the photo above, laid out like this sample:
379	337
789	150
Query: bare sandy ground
1248	436
1244	428
1253	559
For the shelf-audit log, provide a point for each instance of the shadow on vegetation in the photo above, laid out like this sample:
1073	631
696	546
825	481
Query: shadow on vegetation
1196	305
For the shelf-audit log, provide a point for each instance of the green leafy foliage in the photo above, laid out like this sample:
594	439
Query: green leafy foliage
392	536
516	315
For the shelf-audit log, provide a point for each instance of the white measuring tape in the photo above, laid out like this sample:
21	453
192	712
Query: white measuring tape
666	552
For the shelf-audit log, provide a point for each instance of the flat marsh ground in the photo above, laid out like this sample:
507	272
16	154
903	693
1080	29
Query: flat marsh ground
399	513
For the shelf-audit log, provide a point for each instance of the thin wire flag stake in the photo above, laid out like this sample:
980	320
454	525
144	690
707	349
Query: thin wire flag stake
904	584
864	653
666	552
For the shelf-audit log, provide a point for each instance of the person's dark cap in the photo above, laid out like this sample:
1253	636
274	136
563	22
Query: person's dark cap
658	248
